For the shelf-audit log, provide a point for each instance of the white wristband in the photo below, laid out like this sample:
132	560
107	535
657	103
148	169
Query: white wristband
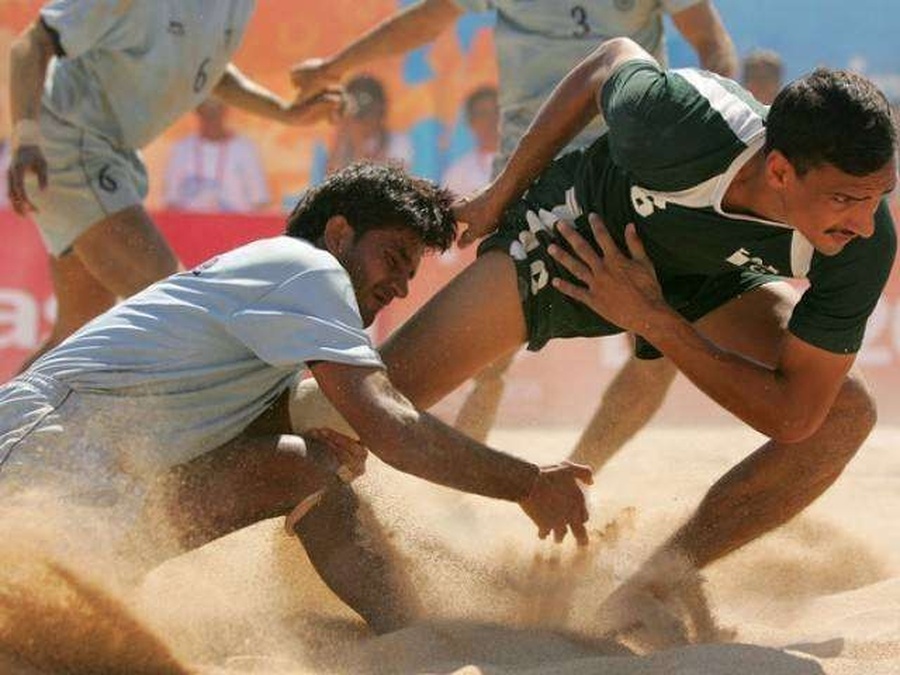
26	132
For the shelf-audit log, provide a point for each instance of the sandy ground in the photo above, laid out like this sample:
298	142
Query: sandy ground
821	595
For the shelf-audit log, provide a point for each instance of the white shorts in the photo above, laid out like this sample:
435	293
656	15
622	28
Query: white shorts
88	179
58	462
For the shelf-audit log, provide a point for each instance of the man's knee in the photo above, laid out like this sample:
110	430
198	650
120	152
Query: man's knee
853	415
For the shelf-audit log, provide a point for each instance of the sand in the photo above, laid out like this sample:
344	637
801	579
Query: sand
820	595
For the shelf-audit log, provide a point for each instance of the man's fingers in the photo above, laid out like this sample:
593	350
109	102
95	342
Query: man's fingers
635	245
582	250
606	242
559	533
583	472
578	269
579	293
543	532
579	531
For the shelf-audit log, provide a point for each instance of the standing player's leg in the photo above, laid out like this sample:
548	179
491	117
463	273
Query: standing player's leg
126	252
478	412
631	399
116	257
79	298
767	489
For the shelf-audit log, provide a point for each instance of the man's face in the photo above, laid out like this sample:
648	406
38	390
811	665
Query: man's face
832	208
380	264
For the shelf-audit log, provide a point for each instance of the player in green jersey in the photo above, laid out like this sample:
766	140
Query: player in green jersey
716	198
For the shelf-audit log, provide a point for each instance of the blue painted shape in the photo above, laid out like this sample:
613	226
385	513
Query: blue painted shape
425	136
468	25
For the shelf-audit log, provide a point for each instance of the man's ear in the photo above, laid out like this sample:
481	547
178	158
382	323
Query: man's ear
779	170
338	236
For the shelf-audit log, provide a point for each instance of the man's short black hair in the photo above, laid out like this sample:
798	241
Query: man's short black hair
373	196
832	117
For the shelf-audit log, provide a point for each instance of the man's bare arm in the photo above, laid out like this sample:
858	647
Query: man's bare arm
240	91
408	29
420	444
29	58
702	27
570	107
787	401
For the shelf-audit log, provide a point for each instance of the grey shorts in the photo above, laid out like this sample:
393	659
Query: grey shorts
58	467
88	179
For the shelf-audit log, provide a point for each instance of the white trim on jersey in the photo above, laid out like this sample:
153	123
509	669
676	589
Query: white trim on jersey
743	120
801	255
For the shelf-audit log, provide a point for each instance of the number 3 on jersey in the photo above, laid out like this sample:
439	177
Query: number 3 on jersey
579	16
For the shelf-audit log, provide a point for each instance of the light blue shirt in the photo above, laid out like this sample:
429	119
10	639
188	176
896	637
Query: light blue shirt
196	357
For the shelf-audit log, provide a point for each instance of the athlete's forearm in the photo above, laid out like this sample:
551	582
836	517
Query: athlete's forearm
570	107
238	90
776	401
409	29
418	443
29	57
703	28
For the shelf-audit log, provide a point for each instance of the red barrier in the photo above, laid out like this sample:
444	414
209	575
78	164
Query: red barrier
559	385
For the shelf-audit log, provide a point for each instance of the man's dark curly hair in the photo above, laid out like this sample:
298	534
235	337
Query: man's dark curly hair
375	196
832	117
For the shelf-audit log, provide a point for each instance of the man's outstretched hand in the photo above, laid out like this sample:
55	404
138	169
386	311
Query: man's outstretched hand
556	502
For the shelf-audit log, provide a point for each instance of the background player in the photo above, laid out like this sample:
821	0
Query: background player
91	81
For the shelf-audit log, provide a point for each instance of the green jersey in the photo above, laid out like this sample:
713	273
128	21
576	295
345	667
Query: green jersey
676	141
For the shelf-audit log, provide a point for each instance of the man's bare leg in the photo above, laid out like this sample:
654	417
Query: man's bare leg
479	411
79	298
769	487
631	399
780	479
257	477
354	557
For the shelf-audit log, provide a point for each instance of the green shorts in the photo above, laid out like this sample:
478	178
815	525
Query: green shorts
528	228
88	179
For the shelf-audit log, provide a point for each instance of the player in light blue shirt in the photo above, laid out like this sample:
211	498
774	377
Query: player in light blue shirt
168	413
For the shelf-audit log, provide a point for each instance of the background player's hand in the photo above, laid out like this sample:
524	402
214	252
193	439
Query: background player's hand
480	212
556	503
326	106
621	289
312	76
337	453
26	159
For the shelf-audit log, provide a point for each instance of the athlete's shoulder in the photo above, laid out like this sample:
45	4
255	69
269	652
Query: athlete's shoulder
675	128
